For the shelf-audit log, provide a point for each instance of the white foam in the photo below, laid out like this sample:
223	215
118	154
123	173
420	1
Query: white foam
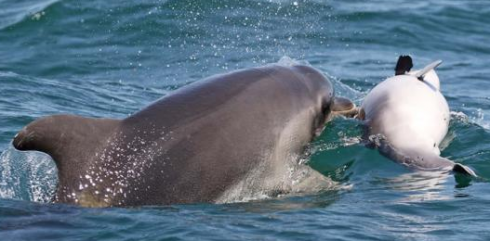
30	176
478	118
288	62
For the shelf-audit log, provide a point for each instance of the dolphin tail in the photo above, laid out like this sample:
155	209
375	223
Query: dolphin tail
460	168
66	138
418	160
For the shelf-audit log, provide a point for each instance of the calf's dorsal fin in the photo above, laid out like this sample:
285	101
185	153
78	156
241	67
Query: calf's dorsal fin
403	65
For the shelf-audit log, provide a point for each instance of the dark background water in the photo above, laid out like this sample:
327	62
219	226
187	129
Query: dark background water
109	59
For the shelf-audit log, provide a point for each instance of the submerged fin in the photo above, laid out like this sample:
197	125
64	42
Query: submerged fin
418	160
343	106
404	65
66	138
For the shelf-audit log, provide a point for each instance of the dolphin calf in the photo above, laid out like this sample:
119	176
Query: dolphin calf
226	138
407	117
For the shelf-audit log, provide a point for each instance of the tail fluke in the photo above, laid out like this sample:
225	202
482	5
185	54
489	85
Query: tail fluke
462	169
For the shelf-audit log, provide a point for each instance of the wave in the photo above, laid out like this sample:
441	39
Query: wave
14	12
477	118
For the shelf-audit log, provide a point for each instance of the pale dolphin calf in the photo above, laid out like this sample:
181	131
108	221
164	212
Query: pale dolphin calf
407	117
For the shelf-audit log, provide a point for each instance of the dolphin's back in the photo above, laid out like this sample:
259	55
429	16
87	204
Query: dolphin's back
407	112
190	146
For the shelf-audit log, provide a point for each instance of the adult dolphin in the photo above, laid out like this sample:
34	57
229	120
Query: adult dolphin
407	117
226	138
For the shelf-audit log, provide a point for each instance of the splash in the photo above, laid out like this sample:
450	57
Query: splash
29	176
261	184
341	89
477	118
288	62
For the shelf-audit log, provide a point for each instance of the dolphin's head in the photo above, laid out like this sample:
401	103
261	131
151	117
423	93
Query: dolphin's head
319	90
318	85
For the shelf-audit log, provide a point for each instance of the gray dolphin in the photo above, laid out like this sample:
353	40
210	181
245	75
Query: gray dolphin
217	140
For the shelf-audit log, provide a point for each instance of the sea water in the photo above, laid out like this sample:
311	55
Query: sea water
111	58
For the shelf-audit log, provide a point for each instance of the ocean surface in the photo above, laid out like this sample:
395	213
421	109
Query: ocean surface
111	58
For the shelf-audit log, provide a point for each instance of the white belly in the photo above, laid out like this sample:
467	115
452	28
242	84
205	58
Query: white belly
410	113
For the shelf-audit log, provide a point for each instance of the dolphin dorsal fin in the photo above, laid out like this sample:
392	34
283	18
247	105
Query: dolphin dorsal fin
419	74
66	138
403	65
